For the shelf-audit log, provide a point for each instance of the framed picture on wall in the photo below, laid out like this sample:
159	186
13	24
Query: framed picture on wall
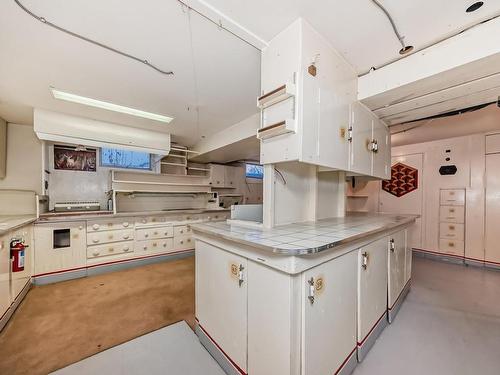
75	158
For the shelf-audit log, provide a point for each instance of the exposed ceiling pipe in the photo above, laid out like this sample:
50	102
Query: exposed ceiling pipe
405	49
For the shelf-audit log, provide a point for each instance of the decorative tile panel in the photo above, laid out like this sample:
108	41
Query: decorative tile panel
404	179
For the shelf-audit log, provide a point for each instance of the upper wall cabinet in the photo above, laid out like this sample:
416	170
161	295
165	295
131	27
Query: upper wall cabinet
307	104
3	148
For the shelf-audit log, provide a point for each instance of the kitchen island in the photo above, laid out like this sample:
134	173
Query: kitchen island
306	298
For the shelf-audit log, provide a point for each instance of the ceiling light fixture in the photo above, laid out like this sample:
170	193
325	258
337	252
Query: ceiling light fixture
475	6
62	95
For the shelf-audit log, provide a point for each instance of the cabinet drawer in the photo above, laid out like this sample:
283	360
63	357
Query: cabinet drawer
453	197
451	246
160	245
111	224
214	216
109	236
451	231
182	230
154	233
452	214
183	242
151	220
110	249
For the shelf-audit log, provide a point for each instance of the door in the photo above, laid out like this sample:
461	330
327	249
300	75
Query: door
221	299
361	123
382	157
409	203
396	266
230	176
492	234
60	246
217	175
5	294
329	320
372	285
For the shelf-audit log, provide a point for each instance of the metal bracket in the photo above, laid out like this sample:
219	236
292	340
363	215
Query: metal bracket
392	246
373	146
364	263
240	275
349	134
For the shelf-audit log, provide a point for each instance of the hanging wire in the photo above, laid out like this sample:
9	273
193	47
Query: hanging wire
393	24
99	44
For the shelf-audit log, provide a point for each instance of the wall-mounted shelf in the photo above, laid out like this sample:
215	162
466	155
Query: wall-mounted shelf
275	96
279	128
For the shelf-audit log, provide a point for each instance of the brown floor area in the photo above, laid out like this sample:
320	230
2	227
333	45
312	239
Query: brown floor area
62	323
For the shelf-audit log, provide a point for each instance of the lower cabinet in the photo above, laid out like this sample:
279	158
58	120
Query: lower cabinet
221	299
396	266
5	292
60	246
372	287
329	318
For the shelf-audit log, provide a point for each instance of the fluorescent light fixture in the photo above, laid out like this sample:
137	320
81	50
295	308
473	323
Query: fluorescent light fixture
58	94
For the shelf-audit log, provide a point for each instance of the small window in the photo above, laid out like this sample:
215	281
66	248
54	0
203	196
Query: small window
254	171
115	158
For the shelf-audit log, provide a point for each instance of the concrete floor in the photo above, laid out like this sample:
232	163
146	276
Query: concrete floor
449	324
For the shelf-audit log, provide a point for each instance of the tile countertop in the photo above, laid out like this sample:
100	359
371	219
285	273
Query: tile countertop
82	215
308	237
11	222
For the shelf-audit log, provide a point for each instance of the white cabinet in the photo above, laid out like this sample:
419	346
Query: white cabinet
329	320
452	221
396	266
370	143
217	175
5	292
221	299
372	287
60	246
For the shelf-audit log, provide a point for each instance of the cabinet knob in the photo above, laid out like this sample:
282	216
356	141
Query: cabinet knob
126	248
111	249
155	233
164	244
95	240
110	224
95	253
182	231
182	242
166	233
126	236
144	221
189	240
95	226
145	247
125	224
146	234
80	227
155	244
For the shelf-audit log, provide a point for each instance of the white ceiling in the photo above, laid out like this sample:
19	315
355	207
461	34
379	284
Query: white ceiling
357	28
35	56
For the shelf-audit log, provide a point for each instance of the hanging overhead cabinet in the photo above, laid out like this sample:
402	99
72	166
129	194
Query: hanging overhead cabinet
307	104
59	127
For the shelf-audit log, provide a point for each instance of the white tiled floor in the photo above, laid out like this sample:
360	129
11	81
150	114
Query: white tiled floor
173	350
448	325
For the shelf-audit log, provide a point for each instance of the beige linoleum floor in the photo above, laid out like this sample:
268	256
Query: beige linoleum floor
448	325
62	323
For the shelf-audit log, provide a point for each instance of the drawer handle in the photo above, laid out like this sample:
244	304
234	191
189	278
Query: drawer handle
452	210
364	263
95	226
95	253
144	221
145	247
166	233
95	240
126	236
182	242
126	248
452	227
80	227
126	224
181	231
392	246
110	224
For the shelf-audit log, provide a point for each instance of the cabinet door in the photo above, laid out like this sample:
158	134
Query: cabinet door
361	123
397	264
230	176
5	294
329	322
409	261
221	299
382	157
372	285
492	234
217	172
60	246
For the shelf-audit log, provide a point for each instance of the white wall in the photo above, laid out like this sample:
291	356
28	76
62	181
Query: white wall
24	159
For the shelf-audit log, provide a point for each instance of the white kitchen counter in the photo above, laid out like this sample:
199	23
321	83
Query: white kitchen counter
308	237
11	222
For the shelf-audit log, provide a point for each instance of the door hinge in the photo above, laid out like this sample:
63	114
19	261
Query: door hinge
349	134
392	246
310	297
240	275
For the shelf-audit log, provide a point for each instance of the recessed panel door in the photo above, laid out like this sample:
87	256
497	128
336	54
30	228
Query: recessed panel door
329	315
221	299
360	155
396	265
382	156
372	285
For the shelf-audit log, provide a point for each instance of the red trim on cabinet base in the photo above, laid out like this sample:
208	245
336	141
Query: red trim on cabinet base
374	326
438	253
400	294
222	351
345	361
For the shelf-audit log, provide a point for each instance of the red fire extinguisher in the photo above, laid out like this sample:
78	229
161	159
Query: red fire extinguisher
17	248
